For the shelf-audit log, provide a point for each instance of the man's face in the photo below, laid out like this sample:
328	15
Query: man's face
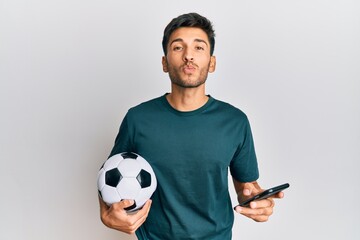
188	60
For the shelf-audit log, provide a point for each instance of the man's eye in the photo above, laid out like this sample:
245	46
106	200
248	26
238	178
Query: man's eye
177	48
199	48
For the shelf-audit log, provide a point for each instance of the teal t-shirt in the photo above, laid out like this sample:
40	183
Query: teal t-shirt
190	153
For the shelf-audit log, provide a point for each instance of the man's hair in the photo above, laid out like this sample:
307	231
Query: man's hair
189	20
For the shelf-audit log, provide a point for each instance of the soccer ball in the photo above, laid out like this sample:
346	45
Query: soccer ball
126	176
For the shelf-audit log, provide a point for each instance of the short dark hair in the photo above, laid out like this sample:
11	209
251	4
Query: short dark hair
189	20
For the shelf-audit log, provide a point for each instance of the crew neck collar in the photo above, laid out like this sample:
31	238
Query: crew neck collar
186	113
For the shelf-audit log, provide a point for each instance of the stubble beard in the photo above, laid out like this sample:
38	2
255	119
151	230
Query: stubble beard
187	82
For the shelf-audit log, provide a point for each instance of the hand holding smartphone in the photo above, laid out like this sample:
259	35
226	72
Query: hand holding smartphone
265	194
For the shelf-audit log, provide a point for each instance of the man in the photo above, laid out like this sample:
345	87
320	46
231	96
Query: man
191	140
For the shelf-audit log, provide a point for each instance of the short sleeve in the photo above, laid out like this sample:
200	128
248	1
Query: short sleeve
123	139
244	167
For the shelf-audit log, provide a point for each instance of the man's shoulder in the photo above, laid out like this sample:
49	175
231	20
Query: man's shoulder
226	107
149	105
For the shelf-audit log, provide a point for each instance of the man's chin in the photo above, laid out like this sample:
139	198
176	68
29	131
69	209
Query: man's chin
188	84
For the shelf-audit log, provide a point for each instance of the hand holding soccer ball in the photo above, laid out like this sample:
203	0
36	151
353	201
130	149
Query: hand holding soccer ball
126	176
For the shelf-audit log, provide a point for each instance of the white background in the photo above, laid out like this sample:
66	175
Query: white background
70	69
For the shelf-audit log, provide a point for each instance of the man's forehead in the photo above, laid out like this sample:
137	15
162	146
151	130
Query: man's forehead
189	34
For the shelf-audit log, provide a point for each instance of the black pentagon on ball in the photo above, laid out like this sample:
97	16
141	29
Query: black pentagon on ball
113	177
129	155
144	178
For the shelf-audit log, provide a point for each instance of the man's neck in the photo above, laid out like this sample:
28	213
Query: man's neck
187	99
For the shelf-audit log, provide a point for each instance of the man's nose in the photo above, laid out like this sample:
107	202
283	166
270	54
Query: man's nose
188	56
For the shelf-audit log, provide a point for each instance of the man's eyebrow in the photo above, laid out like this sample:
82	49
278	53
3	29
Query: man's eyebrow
181	40
176	40
200	40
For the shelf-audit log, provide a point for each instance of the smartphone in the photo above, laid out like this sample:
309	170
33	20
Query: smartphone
265	194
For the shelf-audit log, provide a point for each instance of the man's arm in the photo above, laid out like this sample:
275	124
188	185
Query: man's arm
117	218
259	211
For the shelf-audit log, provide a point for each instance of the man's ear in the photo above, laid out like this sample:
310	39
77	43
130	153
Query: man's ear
164	64
212	65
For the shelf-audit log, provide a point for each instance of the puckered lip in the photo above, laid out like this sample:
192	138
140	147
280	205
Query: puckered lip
189	67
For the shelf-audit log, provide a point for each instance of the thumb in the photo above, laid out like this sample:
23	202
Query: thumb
123	204
249	189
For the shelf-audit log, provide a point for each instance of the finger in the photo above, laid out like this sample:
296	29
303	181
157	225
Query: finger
249	188
145	209
137	219
262	203
144	212
260	218
278	195
256	213
147	206
122	204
